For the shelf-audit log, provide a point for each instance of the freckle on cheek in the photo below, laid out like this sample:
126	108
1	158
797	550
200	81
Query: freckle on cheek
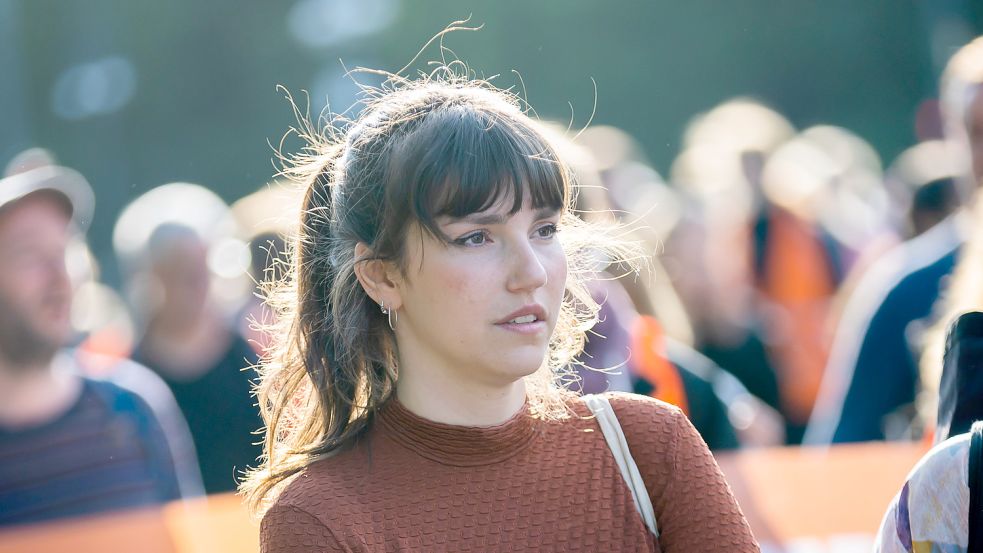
456	284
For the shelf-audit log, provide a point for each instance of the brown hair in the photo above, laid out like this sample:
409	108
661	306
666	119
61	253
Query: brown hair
440	145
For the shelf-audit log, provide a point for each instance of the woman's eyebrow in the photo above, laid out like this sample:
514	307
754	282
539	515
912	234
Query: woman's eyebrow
482	219
498	218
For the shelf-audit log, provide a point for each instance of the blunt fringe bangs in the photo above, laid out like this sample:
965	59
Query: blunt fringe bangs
461	161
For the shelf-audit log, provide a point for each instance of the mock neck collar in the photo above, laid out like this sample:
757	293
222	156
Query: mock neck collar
465	446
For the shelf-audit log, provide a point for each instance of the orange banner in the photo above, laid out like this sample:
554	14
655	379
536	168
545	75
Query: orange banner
819	499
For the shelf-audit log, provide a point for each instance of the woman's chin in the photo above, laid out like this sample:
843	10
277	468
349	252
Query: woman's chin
520	366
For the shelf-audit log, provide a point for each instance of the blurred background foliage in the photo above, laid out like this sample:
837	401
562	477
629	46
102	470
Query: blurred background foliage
137	94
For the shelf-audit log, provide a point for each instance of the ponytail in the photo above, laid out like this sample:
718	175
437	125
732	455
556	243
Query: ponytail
319	382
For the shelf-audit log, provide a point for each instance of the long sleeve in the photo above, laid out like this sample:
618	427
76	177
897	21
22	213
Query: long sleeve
694	507
289	529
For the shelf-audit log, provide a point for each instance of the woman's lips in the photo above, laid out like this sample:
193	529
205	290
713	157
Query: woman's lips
531	328
526	314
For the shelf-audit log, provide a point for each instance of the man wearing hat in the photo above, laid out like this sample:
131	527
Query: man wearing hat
69	445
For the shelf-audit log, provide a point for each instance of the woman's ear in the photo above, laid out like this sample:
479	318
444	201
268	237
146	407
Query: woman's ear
376	277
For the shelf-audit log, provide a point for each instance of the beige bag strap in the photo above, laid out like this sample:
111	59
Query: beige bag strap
615	437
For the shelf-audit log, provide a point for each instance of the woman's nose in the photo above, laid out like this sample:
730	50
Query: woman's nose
527	270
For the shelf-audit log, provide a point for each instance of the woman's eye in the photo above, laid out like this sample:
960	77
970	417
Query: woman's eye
473	239
547	231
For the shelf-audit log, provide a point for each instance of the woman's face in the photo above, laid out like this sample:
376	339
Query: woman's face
481	309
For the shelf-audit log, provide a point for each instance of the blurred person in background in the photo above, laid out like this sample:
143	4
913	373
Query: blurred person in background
871	380
170	241
70	444
101	319
964	293
921	189
709	253
824	207
629	349
618	184
923	183
102	323
773	222
730	253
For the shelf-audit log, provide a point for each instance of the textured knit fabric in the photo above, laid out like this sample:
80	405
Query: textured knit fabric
931	513
526	485
106	452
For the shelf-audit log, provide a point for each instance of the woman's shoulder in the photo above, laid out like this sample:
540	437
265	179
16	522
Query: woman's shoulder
648	424
299	516
323	486
634	409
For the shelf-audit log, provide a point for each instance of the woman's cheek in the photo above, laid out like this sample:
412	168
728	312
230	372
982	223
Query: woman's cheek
465	284
558	271
456	278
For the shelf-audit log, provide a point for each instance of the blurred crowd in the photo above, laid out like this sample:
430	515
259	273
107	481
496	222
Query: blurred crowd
798	293
780	308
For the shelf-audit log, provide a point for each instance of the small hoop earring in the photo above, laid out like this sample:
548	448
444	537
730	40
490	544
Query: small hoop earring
389	315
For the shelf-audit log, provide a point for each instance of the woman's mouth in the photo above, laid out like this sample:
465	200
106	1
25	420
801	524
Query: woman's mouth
523	319
528	320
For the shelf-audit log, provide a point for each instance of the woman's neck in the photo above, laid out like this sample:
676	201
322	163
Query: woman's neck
459	403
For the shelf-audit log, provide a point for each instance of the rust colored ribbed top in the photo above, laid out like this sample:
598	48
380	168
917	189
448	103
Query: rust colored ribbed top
525	485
